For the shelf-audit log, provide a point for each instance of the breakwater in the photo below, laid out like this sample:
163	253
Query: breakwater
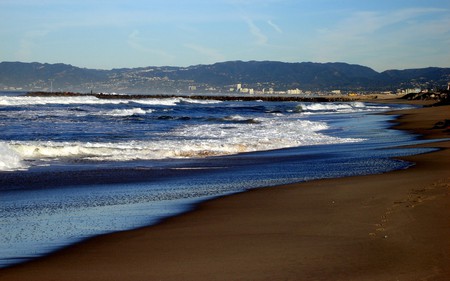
201	97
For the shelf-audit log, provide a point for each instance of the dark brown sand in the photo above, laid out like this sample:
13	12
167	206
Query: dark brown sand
393	226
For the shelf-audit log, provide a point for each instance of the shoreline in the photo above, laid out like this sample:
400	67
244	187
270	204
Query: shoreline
375	227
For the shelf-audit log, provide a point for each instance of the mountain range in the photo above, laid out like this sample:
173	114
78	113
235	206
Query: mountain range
218	77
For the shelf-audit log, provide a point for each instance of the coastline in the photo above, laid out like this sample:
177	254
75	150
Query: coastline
376	227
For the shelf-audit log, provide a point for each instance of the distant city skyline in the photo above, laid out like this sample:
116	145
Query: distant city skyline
125	34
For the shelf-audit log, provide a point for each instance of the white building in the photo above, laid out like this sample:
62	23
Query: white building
269	91
413	91
247	91
294	92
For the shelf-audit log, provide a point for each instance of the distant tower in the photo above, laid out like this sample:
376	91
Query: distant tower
238	87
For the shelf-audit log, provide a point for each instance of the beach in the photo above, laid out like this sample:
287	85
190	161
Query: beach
391	226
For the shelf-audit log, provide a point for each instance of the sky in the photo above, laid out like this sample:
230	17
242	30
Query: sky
106	34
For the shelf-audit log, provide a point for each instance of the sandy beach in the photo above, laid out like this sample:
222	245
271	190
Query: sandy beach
393	226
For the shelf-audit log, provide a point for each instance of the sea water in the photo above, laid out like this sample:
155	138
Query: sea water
75	167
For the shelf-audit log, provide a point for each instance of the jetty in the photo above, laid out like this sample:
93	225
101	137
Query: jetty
205	97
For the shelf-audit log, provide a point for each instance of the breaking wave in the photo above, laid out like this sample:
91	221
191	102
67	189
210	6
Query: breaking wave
91	100
323	108
125	112
186	142
9	158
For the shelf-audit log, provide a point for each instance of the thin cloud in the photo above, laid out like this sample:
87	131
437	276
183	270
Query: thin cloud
274	26
364	36
260	37
363	23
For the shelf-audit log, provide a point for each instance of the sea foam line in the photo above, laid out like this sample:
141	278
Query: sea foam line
91	100
196	141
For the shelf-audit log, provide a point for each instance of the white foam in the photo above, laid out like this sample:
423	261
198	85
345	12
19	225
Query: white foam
190	142
201	101
151	101
26	100
9	159
125	112
322	108
265	135
89	100
237	117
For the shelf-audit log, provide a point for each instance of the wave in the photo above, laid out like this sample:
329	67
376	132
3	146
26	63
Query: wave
87	100
189	141
10	160
26	100
312	108
240	119
119	151
194	101
163	102
78	112
125	112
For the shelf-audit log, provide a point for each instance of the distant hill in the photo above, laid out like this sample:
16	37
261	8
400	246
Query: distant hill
217	77
305	74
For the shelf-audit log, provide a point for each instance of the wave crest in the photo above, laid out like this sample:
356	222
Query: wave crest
188	142
9	159
323	108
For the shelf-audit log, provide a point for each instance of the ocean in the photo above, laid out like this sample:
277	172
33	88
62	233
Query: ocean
78	166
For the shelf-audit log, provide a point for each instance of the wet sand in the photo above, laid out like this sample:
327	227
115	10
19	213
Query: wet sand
393	226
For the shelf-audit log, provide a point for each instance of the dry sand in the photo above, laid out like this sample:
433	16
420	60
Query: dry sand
393	226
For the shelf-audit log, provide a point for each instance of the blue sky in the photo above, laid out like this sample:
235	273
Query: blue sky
105	34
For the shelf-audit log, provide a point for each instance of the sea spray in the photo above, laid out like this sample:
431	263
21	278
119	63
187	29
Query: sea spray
9	159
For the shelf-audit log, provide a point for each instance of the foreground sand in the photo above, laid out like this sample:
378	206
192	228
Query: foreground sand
394	226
